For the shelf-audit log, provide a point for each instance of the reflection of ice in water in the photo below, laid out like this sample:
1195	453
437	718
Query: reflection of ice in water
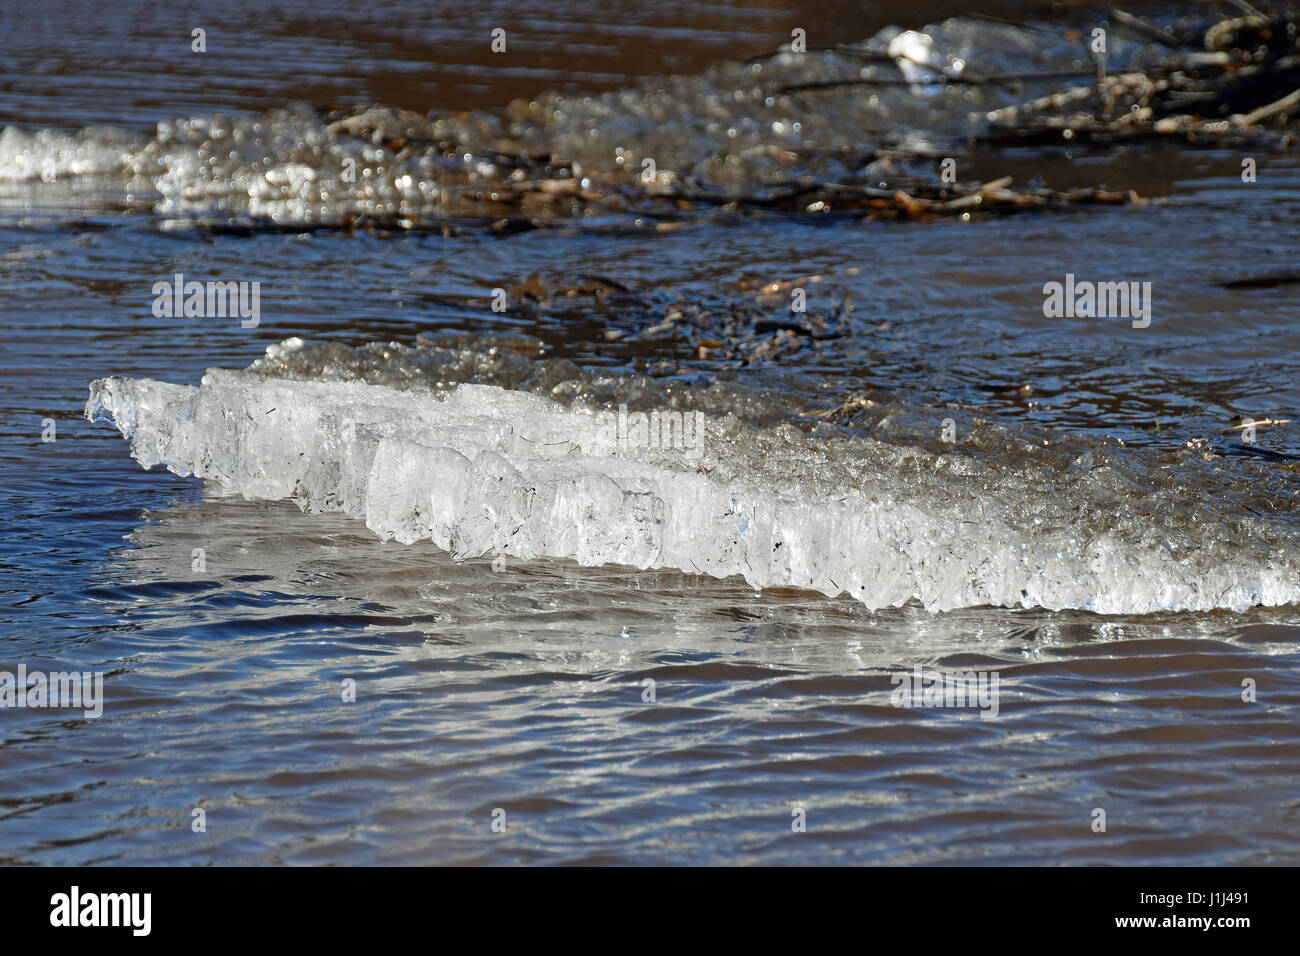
332	581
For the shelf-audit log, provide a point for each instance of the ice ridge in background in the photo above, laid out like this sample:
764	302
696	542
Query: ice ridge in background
734	128
481	469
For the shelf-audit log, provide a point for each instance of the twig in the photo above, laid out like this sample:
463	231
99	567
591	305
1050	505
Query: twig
993	79
841	48
1254	116
1146	29
1248	8
1254	423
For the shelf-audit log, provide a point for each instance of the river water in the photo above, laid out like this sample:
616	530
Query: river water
520	690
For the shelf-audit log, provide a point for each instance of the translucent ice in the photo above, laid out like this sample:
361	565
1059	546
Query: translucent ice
481	469
51	155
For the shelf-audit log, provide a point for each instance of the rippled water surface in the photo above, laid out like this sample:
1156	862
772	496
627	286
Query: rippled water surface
523	686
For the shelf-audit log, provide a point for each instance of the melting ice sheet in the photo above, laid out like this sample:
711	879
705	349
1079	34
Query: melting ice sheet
487	470
734	127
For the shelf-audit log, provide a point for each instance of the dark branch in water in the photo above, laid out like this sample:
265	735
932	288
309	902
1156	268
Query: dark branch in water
1263	282
1142	28
964	79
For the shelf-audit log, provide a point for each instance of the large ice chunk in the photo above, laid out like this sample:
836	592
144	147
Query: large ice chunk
491	470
